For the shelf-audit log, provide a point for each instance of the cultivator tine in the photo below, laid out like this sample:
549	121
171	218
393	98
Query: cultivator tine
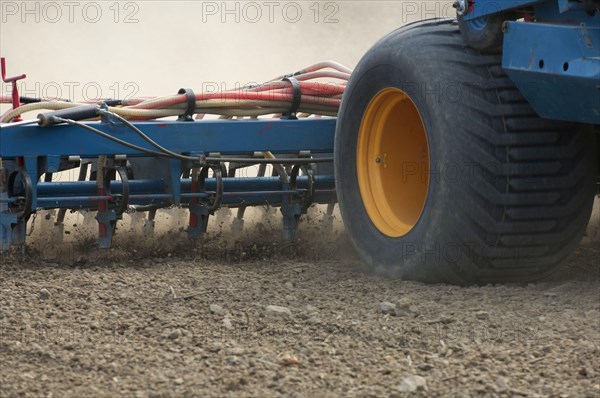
110	206
19	232
58	225
6	219
148	227
237	226
223	216
198	212
137	220
327	220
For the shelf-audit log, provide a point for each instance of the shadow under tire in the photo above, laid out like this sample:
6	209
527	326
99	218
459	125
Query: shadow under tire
444	172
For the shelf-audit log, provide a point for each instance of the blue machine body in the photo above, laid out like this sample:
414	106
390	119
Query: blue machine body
30	152
555	59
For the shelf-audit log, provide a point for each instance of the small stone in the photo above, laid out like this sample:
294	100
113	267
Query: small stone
175	334
413	383
44	294
276	310
401	312
405	308
217	309
227	323
550	294
234	360
446	320
387	308
311	309
289	360
289	285
178	381
237	350
482	315
501	383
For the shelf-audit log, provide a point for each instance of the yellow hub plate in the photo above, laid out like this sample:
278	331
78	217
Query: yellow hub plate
393	162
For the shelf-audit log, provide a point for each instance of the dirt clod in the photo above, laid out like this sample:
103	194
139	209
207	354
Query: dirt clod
278	311
412	383
175	334
44	294
387	308
217	309
482	315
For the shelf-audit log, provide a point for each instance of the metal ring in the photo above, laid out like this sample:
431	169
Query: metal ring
308	199
218	175
124	197
25	209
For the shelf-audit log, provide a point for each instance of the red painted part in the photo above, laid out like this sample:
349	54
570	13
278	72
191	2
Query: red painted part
193	221
15	91
471	6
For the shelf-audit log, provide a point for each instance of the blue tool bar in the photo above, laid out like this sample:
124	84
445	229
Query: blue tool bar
247	191
228	137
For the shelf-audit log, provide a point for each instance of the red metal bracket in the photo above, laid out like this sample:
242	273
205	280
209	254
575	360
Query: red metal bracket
15	92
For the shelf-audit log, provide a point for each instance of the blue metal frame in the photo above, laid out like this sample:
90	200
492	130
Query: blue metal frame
228	137
555	60
560	77
35	151
486	8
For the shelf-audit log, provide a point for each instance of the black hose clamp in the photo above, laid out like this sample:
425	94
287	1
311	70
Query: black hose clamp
297	97
188	116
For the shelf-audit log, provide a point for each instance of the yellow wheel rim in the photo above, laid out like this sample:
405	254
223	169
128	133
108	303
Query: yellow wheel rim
393	162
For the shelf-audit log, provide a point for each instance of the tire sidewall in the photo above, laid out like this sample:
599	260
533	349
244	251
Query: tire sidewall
411	255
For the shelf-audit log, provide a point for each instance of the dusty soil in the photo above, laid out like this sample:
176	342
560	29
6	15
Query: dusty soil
165	319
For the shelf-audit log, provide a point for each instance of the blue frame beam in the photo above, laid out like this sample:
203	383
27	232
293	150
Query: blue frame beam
228	137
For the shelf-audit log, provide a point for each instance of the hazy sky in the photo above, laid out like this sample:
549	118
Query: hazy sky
114	49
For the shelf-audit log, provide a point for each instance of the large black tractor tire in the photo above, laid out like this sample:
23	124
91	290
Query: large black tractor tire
445	173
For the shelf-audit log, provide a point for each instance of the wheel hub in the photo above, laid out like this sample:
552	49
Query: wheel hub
393	162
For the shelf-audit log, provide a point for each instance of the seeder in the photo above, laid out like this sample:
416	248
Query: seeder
147	164
464	151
